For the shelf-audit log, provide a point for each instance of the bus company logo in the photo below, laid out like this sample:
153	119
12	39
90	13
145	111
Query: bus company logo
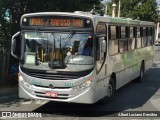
51	86
6	114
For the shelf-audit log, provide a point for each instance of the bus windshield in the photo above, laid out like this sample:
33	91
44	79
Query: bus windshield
68	51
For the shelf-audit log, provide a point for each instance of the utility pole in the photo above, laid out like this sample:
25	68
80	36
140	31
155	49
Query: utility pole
157	31
105	9
114	4
119	8
114	8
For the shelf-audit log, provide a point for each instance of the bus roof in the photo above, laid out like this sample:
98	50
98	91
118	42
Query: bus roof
95	18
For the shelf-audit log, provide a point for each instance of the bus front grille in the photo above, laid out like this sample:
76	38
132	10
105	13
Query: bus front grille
52	76
52	88
58	75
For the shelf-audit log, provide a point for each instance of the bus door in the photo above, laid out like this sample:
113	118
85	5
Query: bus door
101	49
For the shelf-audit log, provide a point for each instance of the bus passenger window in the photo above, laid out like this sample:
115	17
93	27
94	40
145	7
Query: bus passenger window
112	32
123	45
131	39
123	42
113	47
131	43
131	31
113	42
123	32
101	29
144	31
138	38
138	43
138	32
144	37
152	34
149	34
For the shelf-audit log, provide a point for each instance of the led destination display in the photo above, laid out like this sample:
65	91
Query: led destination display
56	21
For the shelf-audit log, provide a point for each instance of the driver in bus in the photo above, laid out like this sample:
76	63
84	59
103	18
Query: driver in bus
88	48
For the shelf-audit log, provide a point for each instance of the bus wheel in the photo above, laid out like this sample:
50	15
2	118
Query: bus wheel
110	92
141	74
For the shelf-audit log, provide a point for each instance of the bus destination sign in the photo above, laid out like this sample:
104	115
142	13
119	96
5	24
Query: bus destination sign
56	22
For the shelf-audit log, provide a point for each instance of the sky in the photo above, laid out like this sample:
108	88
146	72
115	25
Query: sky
158	2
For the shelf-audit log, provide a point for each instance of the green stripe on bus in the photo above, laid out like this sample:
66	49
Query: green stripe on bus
119	20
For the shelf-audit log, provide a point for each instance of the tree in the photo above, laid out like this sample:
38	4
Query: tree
5	23
17	8
20	7
138	9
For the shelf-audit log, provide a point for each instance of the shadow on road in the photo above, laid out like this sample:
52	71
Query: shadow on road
10	99
131	96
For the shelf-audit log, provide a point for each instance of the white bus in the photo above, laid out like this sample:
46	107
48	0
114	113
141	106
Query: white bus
80	58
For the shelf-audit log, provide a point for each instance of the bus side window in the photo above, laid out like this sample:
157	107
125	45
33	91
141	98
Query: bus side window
138	38
113	42
152	35
131	38
123	42
149	36
144	37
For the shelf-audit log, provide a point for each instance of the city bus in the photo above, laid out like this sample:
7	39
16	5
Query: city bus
79	57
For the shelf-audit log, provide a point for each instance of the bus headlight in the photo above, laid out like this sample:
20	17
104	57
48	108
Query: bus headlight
89	81
20	77
83	86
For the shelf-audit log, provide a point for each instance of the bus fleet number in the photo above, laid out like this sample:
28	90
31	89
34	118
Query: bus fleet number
68	84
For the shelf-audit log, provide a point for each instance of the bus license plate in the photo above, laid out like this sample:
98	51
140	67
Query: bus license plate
51	94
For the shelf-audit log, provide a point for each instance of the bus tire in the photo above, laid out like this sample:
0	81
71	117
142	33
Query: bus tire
141	74
110	92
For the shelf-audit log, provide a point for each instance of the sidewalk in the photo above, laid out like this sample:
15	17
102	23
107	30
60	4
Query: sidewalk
8	89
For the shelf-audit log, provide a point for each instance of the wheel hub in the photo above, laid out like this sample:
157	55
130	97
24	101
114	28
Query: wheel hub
109	90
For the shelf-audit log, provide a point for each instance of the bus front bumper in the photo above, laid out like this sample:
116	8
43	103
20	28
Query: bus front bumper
85	96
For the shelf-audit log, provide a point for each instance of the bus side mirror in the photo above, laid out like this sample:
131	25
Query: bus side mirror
103	44
101	48
15	45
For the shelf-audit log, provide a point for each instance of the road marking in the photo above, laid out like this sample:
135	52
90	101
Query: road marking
28	102
38	102
41	102
155	100
155	103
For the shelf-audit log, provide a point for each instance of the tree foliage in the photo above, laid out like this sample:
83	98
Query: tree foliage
20	7
138	9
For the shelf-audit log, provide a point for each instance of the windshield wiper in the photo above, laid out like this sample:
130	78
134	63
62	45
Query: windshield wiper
69	37
56	63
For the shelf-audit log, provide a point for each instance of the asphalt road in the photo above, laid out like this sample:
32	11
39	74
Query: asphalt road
134	96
